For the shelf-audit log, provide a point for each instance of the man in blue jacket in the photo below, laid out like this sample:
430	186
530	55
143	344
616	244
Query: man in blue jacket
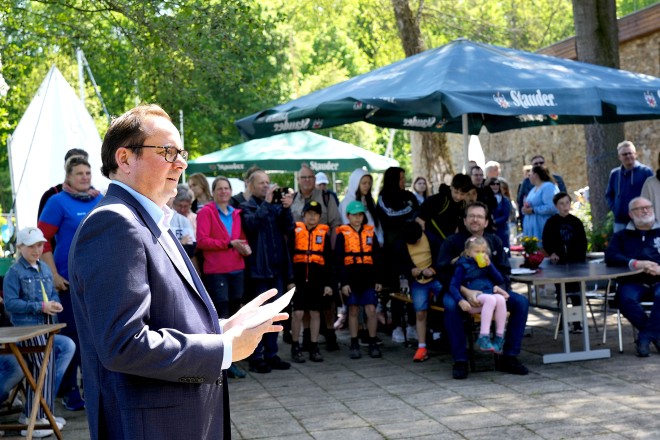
638	247
625	183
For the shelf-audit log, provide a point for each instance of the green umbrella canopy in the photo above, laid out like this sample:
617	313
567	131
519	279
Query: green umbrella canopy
287	152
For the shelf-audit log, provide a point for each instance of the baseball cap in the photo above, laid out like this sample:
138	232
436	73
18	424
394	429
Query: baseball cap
355	207
29	236
321	178
313	206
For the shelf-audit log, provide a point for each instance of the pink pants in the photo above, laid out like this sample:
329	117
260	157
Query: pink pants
491	304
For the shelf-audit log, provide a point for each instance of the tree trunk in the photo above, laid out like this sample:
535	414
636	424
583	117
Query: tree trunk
430	151
597	42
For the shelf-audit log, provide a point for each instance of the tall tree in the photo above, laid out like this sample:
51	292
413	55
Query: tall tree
597	42
430	151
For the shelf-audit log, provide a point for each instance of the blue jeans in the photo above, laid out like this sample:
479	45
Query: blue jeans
10	375
64	349
420	294
267	347
226	291
629	296
517	306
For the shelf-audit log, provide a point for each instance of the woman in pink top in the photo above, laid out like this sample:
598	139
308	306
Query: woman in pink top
221	238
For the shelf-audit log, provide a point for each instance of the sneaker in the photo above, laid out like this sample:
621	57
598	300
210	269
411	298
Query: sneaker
59	421
355	352
38	433
73	401
460	370
374	351
296	354
315	355
511	365
421	355
276	363
235	372
411	333
398	336
259	366
485	345
498	344
576	329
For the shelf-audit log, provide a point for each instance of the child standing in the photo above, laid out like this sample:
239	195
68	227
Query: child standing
31	299
475	271
312	275
357	251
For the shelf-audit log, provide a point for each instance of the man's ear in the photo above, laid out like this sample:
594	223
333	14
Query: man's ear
123	157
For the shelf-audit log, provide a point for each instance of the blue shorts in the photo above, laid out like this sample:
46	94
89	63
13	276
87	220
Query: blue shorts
421	292
363	298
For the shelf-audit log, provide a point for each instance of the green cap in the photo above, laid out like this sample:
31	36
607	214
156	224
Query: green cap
355	207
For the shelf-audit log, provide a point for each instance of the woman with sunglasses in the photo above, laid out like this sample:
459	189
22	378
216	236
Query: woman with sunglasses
502	212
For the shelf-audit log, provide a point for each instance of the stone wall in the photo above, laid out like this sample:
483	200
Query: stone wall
564	146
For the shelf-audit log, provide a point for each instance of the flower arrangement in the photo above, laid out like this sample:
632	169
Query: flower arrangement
530	244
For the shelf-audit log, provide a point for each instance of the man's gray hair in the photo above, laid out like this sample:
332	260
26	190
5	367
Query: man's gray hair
635	200
183	193
625	144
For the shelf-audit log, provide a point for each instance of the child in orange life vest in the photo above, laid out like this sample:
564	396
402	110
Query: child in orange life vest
357	250
312	275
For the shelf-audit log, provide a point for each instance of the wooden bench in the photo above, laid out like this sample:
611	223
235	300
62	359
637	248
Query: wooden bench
471	322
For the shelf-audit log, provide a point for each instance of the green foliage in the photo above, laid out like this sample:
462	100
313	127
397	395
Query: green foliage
598	236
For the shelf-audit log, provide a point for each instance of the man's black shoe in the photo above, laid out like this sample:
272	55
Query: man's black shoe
276	363
460	370
259	366
643	349
511	365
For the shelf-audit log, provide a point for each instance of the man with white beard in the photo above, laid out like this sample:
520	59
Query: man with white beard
638	247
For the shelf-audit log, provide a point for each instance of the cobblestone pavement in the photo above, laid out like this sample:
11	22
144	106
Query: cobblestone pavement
394	398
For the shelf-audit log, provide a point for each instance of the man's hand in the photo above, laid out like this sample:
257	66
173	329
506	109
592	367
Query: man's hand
421	222
554	258
378	287
245	340
429	272
249	309
499	291
269	194
464	305
415	272
327	291
652	269
287	200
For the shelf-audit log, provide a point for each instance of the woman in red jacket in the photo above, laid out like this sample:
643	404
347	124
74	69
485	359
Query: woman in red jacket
221	238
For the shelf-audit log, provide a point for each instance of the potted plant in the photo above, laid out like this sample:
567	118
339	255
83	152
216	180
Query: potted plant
532	254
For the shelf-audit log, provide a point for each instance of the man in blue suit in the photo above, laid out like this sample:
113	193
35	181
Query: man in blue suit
154	352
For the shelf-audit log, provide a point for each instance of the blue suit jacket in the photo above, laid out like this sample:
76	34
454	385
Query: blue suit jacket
149	336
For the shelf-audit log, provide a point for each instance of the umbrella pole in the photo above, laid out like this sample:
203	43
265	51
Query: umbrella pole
466	142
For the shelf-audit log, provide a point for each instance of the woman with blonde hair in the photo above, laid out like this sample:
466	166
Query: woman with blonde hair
200	187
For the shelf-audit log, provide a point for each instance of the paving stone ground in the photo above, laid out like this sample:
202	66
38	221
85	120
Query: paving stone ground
394	398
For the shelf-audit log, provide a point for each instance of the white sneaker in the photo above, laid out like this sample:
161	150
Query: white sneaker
59	421
397	335
411	332
38	433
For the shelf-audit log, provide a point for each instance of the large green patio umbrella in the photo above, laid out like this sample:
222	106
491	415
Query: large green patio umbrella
495	87
286	152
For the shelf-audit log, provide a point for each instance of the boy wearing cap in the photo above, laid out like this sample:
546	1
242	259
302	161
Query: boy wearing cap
312	275
357	252
31	299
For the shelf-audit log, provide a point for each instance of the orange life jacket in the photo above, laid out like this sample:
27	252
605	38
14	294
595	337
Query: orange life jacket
358	247
309	245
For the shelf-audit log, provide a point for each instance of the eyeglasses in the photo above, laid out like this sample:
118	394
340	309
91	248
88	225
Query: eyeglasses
626	154
495	183
476	216
642	208
307	177
538	164
171	153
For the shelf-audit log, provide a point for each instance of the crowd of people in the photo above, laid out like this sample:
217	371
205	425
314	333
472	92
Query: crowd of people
448	247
